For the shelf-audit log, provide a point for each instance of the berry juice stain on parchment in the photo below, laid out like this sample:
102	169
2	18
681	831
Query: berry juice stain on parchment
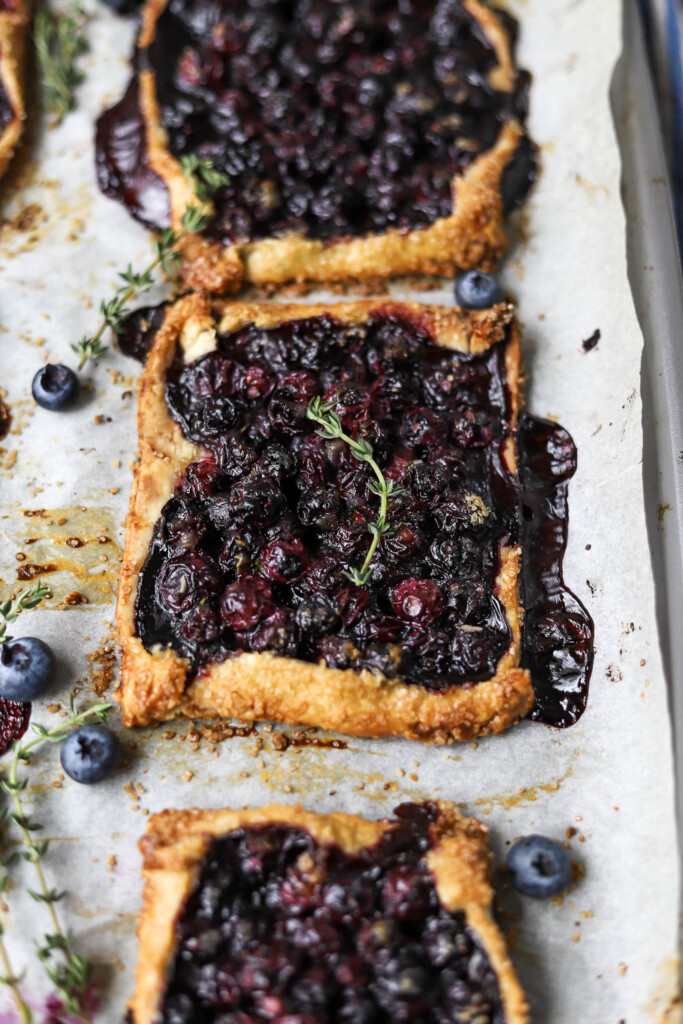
526	795
72	550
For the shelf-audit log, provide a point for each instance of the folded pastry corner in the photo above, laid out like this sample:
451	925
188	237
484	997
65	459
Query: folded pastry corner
239	595
278	913
341	142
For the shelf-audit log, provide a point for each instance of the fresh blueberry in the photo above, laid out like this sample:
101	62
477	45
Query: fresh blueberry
538	866
55	387
26	667
90	753
476	290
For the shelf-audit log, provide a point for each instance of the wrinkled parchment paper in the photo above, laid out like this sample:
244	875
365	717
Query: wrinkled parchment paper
605	953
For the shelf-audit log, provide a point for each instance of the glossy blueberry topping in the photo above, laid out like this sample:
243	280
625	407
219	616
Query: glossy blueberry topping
329	118
253	551
538	866
477	290
137	330
90	753
55	387
27	667
122	164
281	928
558	630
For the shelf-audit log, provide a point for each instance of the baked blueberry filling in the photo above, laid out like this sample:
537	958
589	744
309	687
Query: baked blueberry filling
282	928
251	552
14	718
332	119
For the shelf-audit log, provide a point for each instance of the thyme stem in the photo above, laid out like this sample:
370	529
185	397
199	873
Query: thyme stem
11	609
166	256
72	979
59	42
331	428
9	978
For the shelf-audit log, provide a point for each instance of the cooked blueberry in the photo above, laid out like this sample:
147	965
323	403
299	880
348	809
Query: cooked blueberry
90	753
337	652
279	633
425	481
277	461
27	666
538	866
235	456
317	616
55	387
285	560
217	417
476	290
422	426
256	499
389	659
319	507
199	479
417	601
185	579
287	406
246	603
202	625
351	402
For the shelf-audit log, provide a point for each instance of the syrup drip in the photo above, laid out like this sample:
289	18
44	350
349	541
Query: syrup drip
123	170
558	631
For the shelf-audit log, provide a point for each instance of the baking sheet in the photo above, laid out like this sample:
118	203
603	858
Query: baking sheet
606	953
658	294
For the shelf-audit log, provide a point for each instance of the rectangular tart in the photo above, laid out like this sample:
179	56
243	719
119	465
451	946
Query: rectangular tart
240	594
283	915
351	141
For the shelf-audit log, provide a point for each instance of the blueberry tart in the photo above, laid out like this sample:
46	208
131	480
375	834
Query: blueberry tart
282	915
334	141
15	23
255	584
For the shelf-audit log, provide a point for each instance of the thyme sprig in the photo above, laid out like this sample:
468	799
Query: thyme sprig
204	178
331	429
59	42
70	974
166	256
8	976
12	608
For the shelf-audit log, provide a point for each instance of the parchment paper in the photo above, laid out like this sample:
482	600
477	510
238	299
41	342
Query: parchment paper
605	953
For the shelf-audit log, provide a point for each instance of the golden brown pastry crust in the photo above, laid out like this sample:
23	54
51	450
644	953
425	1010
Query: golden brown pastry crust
176	842
472	236
264	686
14	34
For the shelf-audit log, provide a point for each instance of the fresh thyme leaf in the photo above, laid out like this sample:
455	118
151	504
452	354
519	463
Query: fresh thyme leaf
8	977
51	896
59	42
23	822
204	178
194	220
25	599
331	427
71	973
